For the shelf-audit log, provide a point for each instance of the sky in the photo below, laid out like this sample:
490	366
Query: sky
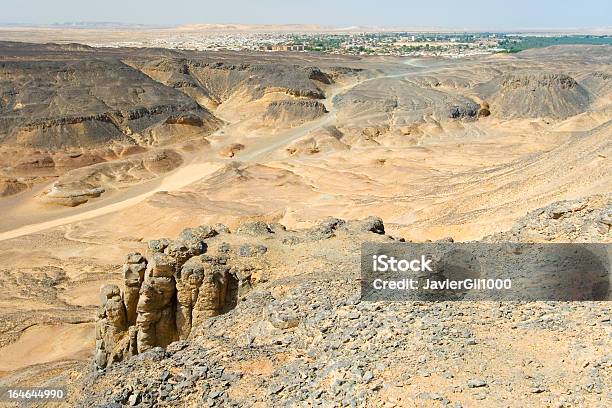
476	14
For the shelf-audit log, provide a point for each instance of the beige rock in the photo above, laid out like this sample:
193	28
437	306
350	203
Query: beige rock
187	290
212	295
111	326
155	320
133	275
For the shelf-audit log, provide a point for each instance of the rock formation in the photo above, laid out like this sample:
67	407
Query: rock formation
111	326
181	283
167	293
133	275
77	186
155	309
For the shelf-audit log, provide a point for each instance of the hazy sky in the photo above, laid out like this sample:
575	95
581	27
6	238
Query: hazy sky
442	13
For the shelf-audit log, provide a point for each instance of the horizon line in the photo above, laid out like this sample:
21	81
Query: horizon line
311	27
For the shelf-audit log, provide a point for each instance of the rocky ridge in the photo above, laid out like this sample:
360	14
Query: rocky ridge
303	337
588	219
532	94
90	103
212	83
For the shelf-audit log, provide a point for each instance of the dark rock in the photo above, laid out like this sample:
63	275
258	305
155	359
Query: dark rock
254	228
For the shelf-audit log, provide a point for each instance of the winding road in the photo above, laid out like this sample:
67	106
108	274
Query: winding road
195	170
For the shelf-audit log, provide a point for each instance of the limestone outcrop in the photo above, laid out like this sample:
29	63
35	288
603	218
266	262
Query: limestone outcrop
180	284
175	287
110	327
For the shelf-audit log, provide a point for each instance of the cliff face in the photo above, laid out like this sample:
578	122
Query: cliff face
88	103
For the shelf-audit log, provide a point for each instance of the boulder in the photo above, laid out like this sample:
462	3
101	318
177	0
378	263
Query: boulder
325	229
370	224
254	228
282	314
202	232
158	245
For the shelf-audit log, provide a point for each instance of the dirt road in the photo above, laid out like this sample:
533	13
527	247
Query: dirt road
194	171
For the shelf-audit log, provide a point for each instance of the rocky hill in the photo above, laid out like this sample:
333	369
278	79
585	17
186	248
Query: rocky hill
538	94
267	316
404	103
89	103
212	83
68	106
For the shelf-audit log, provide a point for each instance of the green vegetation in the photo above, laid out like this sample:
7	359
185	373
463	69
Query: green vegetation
319	43
414	48
388	42
516	44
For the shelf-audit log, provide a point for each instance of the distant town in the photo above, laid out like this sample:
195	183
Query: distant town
451	45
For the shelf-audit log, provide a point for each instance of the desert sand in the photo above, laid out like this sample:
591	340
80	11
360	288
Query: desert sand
133	145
